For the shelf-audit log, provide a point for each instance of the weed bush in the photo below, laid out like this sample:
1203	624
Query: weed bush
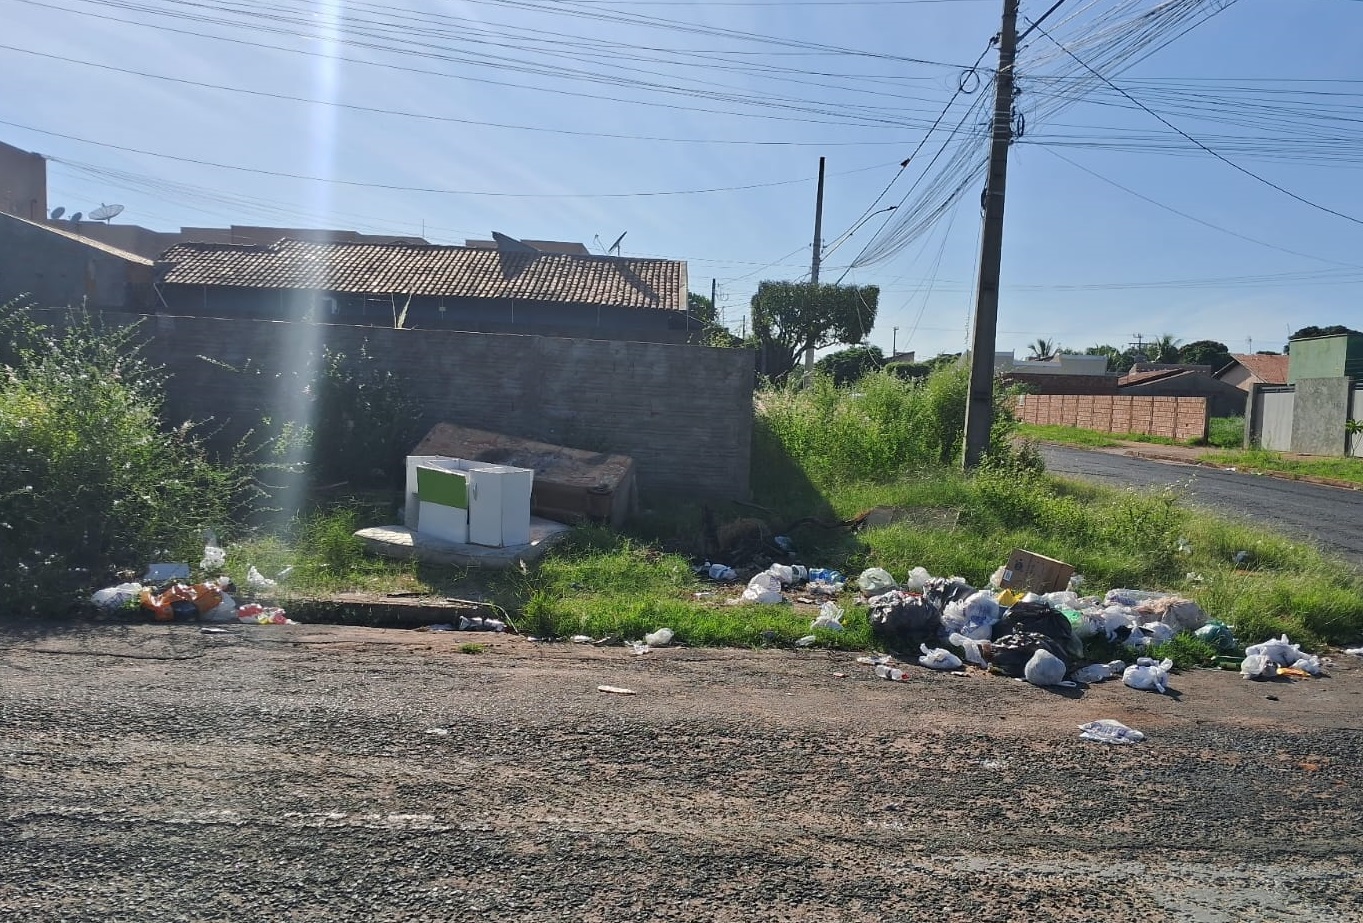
1226	432
366	422
91	481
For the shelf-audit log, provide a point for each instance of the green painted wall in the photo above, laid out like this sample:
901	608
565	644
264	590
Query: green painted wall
1326	357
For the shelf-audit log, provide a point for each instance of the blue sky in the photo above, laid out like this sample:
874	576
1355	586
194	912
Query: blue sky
597	101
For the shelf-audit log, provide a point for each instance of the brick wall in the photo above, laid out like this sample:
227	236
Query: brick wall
1171	417
683	412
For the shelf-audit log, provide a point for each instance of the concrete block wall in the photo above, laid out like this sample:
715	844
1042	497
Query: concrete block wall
1171	417
684	413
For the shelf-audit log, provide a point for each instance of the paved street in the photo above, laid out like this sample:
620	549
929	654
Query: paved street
1329	515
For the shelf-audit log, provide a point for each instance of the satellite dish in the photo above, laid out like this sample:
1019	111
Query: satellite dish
105	212
58	212
616	246
75	219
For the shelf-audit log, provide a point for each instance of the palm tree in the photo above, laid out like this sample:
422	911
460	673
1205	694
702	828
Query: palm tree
1165	349
1041	349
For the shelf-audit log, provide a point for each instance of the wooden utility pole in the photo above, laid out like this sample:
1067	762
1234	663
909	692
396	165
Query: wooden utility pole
814	263
714	301
979	411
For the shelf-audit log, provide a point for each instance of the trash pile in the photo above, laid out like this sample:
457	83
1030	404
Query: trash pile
166	594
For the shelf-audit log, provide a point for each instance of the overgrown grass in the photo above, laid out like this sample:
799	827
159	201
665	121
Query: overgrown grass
1089	438
1226	432
1349	470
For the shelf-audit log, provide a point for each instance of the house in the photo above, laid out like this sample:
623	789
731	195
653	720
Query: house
1005	363
512	288
56	267
1223	399
23	183
1245	371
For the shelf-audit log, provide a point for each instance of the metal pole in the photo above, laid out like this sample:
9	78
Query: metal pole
979	412
814	264
894	343
714	301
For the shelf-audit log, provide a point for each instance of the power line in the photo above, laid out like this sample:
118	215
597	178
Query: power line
397	188
1172	127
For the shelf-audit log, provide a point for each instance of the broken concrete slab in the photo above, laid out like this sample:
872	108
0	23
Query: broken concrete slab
403	544
571	485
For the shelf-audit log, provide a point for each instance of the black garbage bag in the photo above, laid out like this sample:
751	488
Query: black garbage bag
902	621
1043	619
940	591
1010	653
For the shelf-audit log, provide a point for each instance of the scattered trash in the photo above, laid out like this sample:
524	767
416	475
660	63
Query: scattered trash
1278	650
638	647
825	575
1147	674
180	602
214	556
1356	651
974	617
830	618
615	690
839	675
939	658
1027	570
214	631
1258	666
660	638
970	646
1183	546
720	572
1010	653
784	543
444	626
885	671
1178	613
1218	635
1093	673
1107	731
255	580
1045	669
789	574
254	613
478	623
876	580
764	588
1158	632
162	573
116	597
900	620
581	639
875	661
1044	619
806	641
438	732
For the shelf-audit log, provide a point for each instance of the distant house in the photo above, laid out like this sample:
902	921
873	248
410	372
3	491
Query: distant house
57	267
1223	399
512	287
1245	371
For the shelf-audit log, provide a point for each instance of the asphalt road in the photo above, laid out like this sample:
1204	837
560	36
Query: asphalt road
316	774
1329	516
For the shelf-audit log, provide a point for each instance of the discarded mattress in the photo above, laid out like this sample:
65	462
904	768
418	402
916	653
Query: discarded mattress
571	485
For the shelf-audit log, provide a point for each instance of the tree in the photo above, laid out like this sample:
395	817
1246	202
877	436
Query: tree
1117	361
1307	332
791	317
1164	349
701	308
1041	349
849	365
1205	352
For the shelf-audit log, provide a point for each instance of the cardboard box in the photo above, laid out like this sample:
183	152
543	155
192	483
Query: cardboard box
1035	572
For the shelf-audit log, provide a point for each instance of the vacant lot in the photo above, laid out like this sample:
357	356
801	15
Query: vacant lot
307	773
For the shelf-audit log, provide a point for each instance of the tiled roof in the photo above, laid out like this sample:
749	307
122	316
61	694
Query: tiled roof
456	272
1271	370
1137	378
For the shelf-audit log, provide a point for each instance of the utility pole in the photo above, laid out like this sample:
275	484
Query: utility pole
979	411
894	343
814	264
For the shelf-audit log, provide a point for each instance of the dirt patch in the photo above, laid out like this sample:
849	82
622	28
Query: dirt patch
332	773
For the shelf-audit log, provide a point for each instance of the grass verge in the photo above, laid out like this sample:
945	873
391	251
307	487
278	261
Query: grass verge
1349	470
1089	438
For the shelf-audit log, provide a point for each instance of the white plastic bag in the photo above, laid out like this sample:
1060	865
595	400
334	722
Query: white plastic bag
971	648
1258	666
720	572
1044	669
918	578
830	618
875	580
1146	674
1093	673
116	597
214	556
225	611
763	588
1159	632
1310	665
1279	650
255	580
938	658
1107	731
975	616
1178	613
660	638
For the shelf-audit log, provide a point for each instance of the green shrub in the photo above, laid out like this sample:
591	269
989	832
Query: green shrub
365	424
91	481
1226	432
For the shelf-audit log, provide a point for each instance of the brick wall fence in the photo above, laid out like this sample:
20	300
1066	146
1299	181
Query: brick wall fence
1172	417
685	413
